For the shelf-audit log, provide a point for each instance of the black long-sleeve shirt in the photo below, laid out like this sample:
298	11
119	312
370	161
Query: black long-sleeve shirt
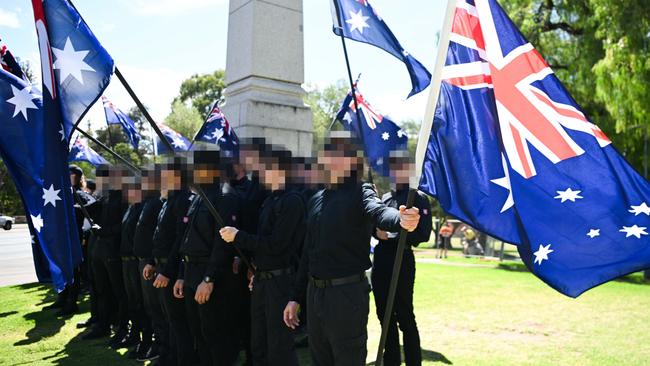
202	238
129	223
279	234
107	213
251	196
144	230
422	233
340	222
170	230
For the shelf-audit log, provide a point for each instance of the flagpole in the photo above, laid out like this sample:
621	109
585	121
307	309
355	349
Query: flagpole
352	86
419	160
199	190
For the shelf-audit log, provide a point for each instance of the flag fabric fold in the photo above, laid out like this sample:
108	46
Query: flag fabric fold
115	116
511	153
217	130
80	151
178	141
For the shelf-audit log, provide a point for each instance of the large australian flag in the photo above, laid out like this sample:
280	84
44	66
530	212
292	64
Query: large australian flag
76	68
360	22
512	153
217	130
379	134
177	141
115	116
80	151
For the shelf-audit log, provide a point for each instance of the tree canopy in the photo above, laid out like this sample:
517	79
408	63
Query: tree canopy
202	90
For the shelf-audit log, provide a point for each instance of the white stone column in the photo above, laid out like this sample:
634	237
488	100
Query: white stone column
265	71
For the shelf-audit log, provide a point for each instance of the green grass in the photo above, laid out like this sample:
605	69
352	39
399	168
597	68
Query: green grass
467	316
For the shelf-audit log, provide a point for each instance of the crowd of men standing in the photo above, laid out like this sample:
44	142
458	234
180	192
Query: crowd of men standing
201	257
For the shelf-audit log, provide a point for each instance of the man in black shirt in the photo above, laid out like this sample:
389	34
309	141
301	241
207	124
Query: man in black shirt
208	266
400	170
274	249
340	221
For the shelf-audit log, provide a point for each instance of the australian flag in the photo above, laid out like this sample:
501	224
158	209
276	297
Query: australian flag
76	68
360	22
216	130
178	141
9	63
80	151
115	116
380	134
36	157
512	153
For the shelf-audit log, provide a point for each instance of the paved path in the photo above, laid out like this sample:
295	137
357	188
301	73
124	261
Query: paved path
16	265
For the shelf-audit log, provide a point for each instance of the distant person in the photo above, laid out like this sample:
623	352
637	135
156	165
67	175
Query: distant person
444	239
471	246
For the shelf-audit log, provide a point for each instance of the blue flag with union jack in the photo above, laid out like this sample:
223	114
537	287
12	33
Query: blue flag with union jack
512	153
217	130
379	134
115	116
360	22
80	151
177	141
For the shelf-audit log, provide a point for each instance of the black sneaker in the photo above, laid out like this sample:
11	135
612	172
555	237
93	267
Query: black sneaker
149	355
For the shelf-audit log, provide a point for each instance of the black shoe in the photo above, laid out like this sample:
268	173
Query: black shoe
96	333
149	355
117	339
87	323
139	349
130	340
68	309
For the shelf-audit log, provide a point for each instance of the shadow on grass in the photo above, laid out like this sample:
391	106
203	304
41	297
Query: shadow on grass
46	323
8	313
79	352
428	355
633	278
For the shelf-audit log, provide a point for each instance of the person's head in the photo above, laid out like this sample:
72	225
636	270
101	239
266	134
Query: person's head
249	160
91	186
76	176
132	190
401	168
173	174
102	178
206	168
341	158
150	179
276	167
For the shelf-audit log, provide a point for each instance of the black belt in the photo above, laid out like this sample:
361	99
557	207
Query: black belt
337	281
192	259
160	260
267	275
129	258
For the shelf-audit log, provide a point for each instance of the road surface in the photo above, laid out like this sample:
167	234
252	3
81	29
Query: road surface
16	265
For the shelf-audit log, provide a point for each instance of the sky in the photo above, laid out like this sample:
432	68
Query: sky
159	43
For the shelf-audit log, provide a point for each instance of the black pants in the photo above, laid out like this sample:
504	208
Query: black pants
272	341
94	311
112	306
212	323
402	307
154	310
243	307
338	320
180	336
140	324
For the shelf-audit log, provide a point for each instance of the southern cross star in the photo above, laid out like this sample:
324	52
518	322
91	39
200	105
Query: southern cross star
634	231
22	101
357	21
542	253
51	195
568	195
70	62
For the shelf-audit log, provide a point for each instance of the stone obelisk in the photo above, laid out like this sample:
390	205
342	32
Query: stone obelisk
265	71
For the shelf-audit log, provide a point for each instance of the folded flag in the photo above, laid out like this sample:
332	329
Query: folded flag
510	152
360	22
379	134
115	116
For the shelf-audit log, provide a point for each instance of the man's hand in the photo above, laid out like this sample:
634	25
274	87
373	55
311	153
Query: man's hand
160	281
148	272
203	292
291	314
178	289
228	233
409	217
381	234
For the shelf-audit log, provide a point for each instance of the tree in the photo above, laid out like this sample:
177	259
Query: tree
184	119
599	49
202	90
10	202
324	104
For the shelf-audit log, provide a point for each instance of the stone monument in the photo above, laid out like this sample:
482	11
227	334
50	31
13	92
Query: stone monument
265	71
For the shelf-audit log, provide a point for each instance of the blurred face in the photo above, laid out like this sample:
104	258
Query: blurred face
134	195
74	180
170	180
336	166
102	184
205	175
149	183
250	161
400	173
273	178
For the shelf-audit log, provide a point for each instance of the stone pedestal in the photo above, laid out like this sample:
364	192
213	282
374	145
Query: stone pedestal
265	71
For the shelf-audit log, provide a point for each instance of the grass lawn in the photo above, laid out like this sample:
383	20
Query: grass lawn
467	315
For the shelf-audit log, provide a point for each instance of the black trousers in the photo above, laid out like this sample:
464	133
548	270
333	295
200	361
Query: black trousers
140	324
402	307
88	261
213	323
338	320
112	306
272	341
154	310
180	336
243	307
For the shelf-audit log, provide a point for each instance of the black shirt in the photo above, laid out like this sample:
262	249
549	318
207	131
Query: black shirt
169	231
422	233
202	239
280	232
340	222
107	213
129	223
143	239
251	196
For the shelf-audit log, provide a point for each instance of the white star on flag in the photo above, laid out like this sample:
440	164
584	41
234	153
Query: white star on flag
400	133
22	101
51	195
640	209
70	62
568	195
178	142
357	21
385	136
593	233
504	182
79	155
62	132
634	231
542	253
347	117
37	221
217	134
